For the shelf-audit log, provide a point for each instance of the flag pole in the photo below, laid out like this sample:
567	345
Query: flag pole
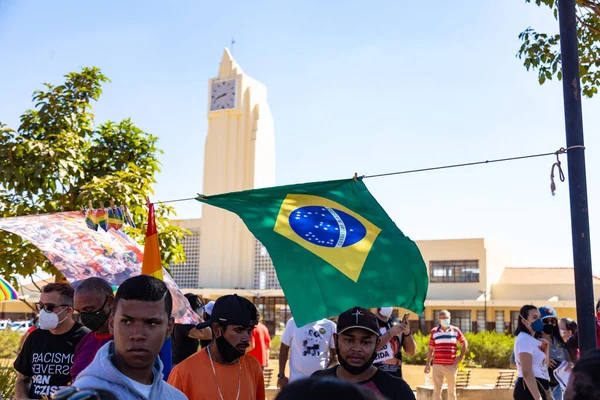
580	224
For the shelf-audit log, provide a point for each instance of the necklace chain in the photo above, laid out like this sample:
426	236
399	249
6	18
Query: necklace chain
217	380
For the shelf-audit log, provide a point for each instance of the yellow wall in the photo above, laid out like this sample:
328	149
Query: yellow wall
15	307
566	313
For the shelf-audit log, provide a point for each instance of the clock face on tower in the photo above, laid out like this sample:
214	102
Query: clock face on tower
223	95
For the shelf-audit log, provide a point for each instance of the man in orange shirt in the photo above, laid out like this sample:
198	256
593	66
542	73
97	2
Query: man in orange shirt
260	344
227	373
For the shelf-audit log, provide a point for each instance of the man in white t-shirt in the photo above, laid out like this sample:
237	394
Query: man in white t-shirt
312	349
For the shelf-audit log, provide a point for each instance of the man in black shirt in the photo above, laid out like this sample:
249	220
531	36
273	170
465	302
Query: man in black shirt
44	363
355	343
186	337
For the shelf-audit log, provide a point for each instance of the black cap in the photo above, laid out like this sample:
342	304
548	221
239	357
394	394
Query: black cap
357	318
232	310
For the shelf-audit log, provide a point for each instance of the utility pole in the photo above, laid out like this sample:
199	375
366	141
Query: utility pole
580	224
485	294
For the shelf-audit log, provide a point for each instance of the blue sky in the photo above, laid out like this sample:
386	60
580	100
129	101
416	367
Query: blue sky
370	88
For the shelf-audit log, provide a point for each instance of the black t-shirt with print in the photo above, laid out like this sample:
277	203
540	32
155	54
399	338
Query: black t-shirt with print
48	358
382	383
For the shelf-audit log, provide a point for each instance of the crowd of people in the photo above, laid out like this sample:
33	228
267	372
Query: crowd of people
546	353
117	350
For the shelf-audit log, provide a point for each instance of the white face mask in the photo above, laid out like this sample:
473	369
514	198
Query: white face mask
445	322
49	320
386	312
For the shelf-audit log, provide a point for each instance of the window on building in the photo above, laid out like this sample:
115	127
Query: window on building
480	320
500	321
459	318
454	271
265	276
514	321
186	274
275	313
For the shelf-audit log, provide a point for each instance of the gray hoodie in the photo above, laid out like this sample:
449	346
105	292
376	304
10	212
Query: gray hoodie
102	374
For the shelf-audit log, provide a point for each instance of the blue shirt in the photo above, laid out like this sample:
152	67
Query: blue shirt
166	356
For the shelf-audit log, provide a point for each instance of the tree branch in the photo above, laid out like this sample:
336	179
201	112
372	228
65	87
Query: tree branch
590	27
28	305
35	284
595	6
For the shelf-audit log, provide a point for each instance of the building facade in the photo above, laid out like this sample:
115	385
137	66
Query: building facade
469	277
187	274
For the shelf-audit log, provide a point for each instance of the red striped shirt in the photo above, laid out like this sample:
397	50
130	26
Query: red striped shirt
444	344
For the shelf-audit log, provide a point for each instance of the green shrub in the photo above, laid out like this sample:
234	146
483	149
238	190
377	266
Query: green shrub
8	378
421	353
275	346
486	349
491	349
9	343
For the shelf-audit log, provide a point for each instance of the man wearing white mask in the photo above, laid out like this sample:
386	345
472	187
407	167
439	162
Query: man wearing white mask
394	338
44	364
443	344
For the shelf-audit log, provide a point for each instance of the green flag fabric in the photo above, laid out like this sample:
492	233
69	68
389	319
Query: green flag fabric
333	247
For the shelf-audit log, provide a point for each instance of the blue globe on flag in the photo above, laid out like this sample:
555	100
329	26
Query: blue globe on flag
327	227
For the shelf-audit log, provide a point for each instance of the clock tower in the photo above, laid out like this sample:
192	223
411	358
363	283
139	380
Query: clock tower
239	155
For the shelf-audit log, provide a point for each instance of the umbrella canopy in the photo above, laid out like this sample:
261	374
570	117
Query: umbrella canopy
7	292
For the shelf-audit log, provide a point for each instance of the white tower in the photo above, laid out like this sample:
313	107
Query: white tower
239	155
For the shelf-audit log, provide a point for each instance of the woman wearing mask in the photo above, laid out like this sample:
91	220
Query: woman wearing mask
394	338
531	355
568	331
557	349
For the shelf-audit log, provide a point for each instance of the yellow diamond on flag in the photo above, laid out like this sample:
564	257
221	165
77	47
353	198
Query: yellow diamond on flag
329	230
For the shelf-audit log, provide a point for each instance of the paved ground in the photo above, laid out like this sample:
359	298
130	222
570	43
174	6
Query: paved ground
413	374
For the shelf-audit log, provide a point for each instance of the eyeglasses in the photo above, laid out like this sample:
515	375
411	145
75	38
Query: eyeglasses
49	307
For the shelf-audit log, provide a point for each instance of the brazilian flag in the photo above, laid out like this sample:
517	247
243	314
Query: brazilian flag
333	247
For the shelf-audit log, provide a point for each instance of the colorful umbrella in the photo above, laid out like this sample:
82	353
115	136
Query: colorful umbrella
7	292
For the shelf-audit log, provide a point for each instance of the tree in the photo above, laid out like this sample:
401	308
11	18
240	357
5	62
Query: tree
541	51
58	159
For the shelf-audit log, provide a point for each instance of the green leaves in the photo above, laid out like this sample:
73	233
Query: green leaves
57	160
541	52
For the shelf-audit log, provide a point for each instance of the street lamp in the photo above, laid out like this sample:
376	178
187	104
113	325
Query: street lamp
485	294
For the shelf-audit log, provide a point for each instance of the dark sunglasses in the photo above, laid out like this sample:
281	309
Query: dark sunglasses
550	321
49	307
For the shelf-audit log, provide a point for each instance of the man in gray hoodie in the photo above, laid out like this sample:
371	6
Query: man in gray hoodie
129	366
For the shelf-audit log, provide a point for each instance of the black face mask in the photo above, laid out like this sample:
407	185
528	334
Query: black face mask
94	320
549	329
227	351
351	368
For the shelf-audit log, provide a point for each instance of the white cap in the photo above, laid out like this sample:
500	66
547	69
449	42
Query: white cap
209	307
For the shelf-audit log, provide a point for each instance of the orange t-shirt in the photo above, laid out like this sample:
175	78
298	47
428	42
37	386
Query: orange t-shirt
195	378
262	342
